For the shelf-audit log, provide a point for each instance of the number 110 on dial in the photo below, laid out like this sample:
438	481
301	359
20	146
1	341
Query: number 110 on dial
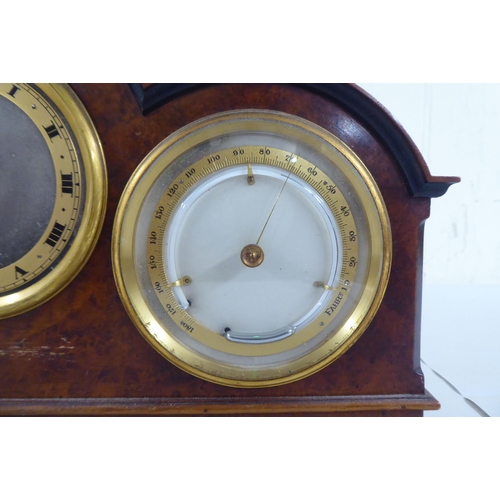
261	244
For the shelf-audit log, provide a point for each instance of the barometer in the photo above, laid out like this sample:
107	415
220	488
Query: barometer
52	192
251	248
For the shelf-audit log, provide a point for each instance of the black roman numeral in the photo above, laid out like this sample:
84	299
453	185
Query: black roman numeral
13	91
51	131
67	183
19	272
55	234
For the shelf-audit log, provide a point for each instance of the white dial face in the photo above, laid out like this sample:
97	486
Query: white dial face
296	232
251	249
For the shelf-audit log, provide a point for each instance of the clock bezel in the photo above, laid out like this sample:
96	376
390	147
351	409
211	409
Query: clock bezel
124	229
89	153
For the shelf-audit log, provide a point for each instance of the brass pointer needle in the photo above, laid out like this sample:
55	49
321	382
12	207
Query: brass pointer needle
252	255
274	206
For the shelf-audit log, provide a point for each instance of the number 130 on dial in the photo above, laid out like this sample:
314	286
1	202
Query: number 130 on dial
251	249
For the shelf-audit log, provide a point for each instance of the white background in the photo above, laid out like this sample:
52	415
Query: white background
386	41
457	129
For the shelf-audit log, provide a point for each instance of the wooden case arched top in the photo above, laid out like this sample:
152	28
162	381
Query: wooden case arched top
80	354
357	103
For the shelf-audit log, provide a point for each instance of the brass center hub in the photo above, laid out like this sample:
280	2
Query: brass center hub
252	255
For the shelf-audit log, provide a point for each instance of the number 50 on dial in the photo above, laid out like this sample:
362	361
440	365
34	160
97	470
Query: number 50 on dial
251	248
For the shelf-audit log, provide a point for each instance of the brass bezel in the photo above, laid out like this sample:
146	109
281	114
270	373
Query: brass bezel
64	102
123	240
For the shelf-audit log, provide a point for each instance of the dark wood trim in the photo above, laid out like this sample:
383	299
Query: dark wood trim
217	406
377	119
154	95
79	354
356	101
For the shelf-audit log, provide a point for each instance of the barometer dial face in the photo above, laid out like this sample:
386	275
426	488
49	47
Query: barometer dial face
251	248
52	192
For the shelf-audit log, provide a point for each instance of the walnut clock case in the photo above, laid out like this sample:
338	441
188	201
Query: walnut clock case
261	254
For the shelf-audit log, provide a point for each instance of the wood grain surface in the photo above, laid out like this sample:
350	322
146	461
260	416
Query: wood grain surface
80	354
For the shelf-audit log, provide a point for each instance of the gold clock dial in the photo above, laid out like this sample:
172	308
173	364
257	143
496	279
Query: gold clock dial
251	248
52	192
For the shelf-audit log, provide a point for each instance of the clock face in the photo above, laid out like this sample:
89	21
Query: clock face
52	192
251	248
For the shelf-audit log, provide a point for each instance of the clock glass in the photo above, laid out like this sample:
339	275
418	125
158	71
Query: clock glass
251	248
52	192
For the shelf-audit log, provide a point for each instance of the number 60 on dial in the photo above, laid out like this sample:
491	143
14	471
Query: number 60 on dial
251	248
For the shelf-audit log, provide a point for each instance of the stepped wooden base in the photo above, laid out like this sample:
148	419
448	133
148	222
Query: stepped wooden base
80	355
380	405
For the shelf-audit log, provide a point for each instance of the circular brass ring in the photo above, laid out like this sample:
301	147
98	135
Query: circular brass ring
86	150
